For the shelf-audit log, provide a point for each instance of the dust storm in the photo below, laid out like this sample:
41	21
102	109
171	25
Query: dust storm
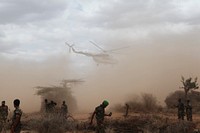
146	67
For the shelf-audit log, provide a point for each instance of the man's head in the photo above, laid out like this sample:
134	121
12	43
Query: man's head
105	103
188	101
45	100
3	103
16	103
63	102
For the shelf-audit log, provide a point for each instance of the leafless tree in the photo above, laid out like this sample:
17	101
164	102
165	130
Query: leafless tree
188	85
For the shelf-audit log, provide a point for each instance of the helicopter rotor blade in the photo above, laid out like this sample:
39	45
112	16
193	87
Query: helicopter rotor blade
112	50
98	46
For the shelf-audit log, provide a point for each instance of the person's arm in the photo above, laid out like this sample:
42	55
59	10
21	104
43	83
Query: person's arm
15	123
92	117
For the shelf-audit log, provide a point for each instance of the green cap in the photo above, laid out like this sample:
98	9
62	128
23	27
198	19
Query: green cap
105	103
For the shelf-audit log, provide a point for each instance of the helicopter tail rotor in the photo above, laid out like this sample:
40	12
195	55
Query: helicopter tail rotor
70	46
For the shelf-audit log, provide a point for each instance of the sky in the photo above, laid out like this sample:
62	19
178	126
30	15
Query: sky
162	38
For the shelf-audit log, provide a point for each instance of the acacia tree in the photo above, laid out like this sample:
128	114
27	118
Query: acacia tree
189	85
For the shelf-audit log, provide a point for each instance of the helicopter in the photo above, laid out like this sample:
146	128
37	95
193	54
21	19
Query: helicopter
104	57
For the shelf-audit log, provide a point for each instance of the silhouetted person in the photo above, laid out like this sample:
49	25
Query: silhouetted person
100	114
64	109
188	109
46	105
127	109
52	107
181	109
16	119
3	111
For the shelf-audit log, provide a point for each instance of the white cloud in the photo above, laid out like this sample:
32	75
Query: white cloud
23	11
44	26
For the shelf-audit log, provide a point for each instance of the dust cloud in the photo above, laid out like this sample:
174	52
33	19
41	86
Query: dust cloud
20	77
150	65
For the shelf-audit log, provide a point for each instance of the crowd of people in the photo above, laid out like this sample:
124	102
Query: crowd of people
50	108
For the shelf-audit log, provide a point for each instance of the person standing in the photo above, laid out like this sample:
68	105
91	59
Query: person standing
188	109
64	109
46	106
16	119
181	110
52	107
3	111
127	110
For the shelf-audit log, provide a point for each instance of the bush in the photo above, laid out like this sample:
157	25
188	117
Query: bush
145	103
172	99
149	102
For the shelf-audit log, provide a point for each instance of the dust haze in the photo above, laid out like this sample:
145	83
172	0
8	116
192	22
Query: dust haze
150	65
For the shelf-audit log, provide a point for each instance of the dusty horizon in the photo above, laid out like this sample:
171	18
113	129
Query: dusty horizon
162	39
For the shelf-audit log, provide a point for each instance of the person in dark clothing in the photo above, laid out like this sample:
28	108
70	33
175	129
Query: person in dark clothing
52	107
64	109
99	113
16	119
46	105
3	111
181	110
127	110
188	109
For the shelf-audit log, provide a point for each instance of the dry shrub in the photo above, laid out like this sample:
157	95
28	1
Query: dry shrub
149	102
49	124
145	103
150	124
178	127
130	125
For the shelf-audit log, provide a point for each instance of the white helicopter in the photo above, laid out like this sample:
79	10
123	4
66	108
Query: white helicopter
100	58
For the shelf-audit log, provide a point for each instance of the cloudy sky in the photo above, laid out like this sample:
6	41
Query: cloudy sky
162	35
